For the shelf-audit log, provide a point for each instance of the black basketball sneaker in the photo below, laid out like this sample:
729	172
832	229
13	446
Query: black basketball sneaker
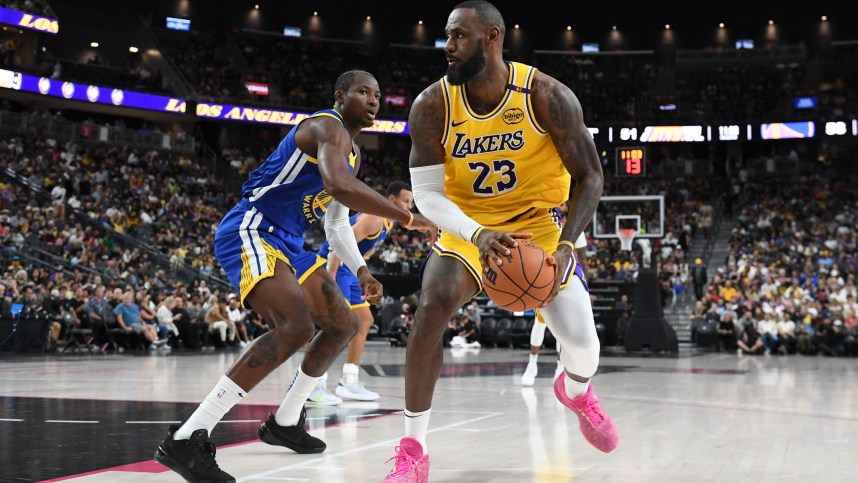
292	437
193	459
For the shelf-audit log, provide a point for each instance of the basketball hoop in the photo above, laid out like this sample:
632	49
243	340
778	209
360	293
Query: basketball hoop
626	236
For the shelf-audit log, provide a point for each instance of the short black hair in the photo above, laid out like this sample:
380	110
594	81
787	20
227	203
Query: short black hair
396	187
486	13
347	78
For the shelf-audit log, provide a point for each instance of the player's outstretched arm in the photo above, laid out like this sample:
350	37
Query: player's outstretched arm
334	144
427	122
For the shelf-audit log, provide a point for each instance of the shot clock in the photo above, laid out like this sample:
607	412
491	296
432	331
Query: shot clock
631	162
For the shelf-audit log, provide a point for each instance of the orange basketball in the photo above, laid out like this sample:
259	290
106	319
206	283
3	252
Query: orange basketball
523	281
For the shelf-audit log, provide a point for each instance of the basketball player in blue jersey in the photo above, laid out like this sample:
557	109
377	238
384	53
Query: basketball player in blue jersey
495	145
259	244
370	232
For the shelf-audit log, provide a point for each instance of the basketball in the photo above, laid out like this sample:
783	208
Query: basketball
523	281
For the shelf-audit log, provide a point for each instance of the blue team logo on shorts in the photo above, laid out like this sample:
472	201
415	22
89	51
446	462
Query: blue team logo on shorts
316	206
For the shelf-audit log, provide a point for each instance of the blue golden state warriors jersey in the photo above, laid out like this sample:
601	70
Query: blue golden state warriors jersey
287	188
369	245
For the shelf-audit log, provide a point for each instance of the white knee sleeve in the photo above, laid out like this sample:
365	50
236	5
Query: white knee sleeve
537	334
570	318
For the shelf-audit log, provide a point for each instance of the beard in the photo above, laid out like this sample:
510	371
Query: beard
467	70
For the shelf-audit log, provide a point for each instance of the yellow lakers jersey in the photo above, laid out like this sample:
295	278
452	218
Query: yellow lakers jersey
503	163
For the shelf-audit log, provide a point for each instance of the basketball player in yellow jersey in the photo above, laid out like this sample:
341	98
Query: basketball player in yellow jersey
494	145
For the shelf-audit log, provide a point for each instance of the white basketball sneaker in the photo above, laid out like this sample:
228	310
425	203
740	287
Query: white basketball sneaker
529	376
351	388
322	396
356	391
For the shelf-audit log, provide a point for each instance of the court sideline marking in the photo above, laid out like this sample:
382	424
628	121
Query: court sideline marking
359	449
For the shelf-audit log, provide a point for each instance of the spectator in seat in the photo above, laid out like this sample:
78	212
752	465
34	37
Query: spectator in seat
769	330
128	316
830	337
189	328
727	332
750	342
218	320
786	334
236	317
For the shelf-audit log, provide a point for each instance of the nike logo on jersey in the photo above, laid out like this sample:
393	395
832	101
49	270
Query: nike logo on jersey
454	123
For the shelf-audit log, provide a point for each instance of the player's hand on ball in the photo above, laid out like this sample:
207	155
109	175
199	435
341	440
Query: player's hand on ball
495	245
560	260
371	288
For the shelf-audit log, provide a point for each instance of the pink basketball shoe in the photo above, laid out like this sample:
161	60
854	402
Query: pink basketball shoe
595	423
410	465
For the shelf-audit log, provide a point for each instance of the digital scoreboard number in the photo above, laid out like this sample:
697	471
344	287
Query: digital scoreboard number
631	162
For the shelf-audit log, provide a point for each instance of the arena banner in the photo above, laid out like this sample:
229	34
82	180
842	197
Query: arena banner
29	21
672	134
788	130
85	93
270	116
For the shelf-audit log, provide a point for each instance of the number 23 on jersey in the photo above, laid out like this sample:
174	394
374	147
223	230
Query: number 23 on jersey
501	168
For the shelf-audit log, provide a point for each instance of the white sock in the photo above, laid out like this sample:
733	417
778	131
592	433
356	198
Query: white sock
223	397
289	411
533	358
416	426
350	373
575	388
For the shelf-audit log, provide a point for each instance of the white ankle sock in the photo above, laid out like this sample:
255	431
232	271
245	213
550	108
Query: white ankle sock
533	358
417	425
350	373
290	409
575	388
223	397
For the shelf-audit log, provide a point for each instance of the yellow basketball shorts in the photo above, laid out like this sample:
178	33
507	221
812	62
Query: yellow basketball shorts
543	223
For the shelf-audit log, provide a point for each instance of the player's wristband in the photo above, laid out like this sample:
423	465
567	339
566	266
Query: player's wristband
567	243
476	234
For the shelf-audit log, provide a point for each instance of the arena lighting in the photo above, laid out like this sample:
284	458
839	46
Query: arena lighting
568	27
667	26
256	7
419	22
368	18
721	25
93	45
771	22
516	25
825	18
133	49
614	27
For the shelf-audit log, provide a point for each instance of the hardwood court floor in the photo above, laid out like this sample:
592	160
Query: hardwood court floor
697	418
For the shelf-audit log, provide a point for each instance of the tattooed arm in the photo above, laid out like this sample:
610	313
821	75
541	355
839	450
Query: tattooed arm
558	111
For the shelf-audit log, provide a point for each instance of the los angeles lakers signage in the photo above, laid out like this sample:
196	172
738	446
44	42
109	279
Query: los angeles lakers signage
29	21
122	98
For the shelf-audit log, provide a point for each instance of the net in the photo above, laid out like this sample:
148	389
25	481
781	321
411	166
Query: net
626	236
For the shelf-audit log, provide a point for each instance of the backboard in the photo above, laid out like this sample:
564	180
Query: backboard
643	213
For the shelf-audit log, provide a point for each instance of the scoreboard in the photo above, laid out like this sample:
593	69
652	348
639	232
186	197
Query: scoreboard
631	162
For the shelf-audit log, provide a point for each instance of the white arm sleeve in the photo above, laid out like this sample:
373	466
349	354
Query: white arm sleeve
428	185
581	242
341	237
